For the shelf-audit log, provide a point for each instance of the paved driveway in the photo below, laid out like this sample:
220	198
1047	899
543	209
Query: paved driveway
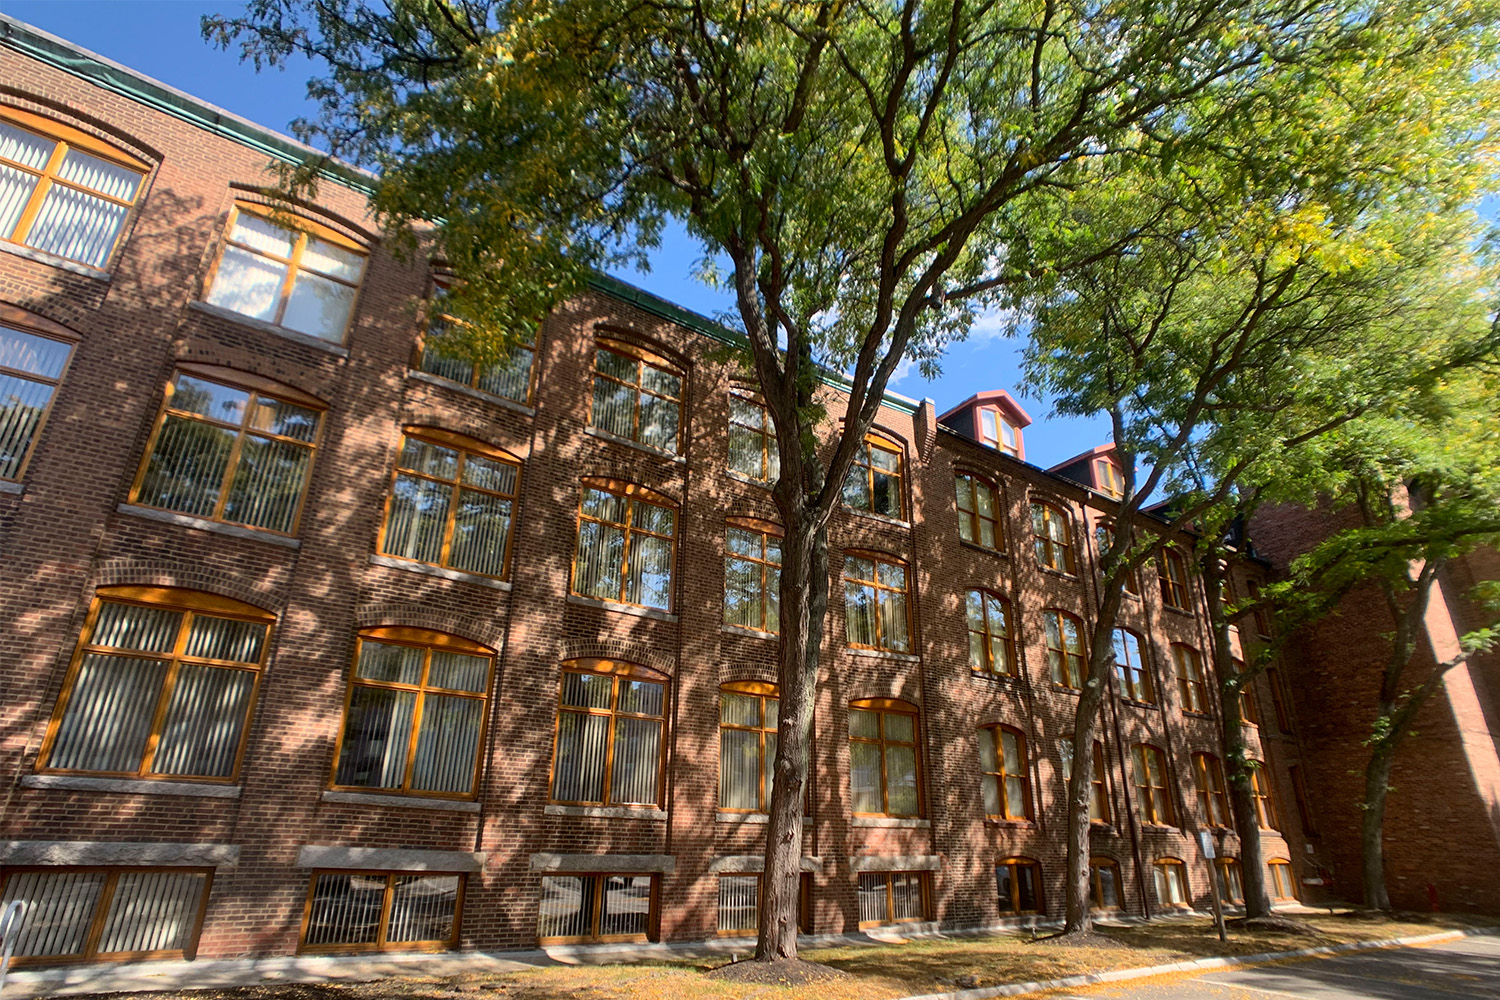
1466	968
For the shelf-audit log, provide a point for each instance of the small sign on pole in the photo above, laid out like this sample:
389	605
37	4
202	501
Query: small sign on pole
1206	841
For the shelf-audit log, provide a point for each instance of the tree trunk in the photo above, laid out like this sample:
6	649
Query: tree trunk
1372	828
804	605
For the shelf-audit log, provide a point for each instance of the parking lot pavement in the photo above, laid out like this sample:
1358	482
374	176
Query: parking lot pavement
1466	968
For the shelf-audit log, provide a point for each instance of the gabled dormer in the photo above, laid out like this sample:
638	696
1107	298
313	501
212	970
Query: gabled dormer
991	418
1098	468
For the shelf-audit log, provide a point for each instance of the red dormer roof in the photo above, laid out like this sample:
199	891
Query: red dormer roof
1097	452
998	398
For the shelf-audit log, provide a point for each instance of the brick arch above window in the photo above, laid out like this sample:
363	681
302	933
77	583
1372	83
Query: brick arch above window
410	615
732	674
625	487
244	377
14	315
185	574
297	208
614	650
642	346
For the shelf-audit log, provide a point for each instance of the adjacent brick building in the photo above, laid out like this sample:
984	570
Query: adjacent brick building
315	639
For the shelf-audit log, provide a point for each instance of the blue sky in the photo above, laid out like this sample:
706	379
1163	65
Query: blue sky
160	38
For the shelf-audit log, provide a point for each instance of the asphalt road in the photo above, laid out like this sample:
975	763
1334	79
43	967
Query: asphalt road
1466	968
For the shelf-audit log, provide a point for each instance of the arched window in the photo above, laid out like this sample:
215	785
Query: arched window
510	377
747	745
1282	884
1065	653
997	432
1099	809
1105	885
1192	686
1208	778
611	722
1052	537
62	191
978	511
1172	573
752	574
1131	671
232	447
1260	788
1110	478
637	395
160	687
991	642
1280	703
875	604
1004	772
1231	885
874	480
884	765
414	716
1104	538
627	540
451	503
1152	792
1018	884
1249	708
293	273
1172	883
31	367
752	441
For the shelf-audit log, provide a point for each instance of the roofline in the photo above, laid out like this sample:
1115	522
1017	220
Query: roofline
1091	453
1001	396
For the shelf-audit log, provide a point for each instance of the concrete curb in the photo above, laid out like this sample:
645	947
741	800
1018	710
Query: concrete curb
1197	965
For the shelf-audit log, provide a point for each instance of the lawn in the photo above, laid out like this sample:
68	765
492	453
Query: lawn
874	971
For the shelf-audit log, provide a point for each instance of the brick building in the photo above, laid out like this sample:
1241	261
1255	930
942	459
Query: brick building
317	640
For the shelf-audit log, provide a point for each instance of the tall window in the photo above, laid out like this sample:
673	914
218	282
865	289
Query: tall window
739	904
997	432
61	190
1172	883
451	503
113	914
626	545
1192	687
241	454
1104	537
874	480
637	395
978	512
1110	478
1260	789
304	279
1052	538
747	745
752	441
1262	615
752	575
596	908
1018	884
883	760
161	686
1208	778
609	735
1249	709
1099	810
1065	655
510	377
1282	886
1104	884
382	911
31	366
1304	807
892	898
991	642
1152	793
1172	573
415	712
1279	701
1004	773
1231	885
875	611
1131	672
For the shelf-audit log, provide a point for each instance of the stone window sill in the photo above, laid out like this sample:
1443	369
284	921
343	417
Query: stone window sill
883	654
129	786
753	633
607	812
6	486
992	677
616	439
751	819
871	515
414	375
1184	612
998	553
749	480
459	576
62	263
202	524
624	609
400	801
891	822
230	316
1057	573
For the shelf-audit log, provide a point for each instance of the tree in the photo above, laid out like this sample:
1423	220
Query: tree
874	175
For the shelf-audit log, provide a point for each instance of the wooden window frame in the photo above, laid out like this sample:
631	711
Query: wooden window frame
1279	700
763	692
924	884
1104	534
632	494
1007	635
804	902
1262	622
877	442
1304	805
380	944
881	707
1021	769
1051	553
191	603
57	336
436	315
428	641
1001	423
616	669
65	137
1267	816
90	953
647	358
973	519
1099	799
1249	706
1134	679
1074	665
1016	863
1096	888
1110	477
653	917
1172	574
1174	868
1153	802
1192	682
305	230
768	447
1213	794
876	559
1223	867
1284	867
257	387
764	531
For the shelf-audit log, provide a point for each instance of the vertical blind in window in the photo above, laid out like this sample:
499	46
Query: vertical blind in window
451	505
739	903
415	716
508	378
1171	883
752	441
752	578
883	762
1006	779
1153	796
30	368
890	897
159	692
229	454
990	644
373	911
595	907
1105	876
636	396
748	723
1099	811
73	913
874	480
609	739
1208	776
56	198
875	612
625	549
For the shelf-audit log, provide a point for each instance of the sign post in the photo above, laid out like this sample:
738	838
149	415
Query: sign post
1206	843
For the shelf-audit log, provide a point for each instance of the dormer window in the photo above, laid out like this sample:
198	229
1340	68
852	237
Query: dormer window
1109	478
997	432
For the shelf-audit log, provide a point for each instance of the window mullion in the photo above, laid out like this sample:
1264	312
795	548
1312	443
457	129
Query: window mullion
609	743
164	699
101	910
39	195
416	720
291	277
234	456
450	523
626	527
382	931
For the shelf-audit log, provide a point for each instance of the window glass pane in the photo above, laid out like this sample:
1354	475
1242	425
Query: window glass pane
864	777
745	452
739	710
285	419
260	235
76	225
377	737
658	520
650	580
481	530
886	498
248	284
345	909
873	897
423	908
1109	886
381	662
205	720
578	772
864	724
128	626
267	484
490	474
901	780
511	378
186	469
627	905
152	911
642	697
225	639
435	362
637	762
417	518
738	906
659	420
614	408
318	307
587	690
25	148
739	769
660	382
567	906
30	353
447	744
458	671
906	889
60	907
859	614
856	493
893	621
429	459
332	260
16	187
22	404
617	366
900	727
109	714
598	569
1026	885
